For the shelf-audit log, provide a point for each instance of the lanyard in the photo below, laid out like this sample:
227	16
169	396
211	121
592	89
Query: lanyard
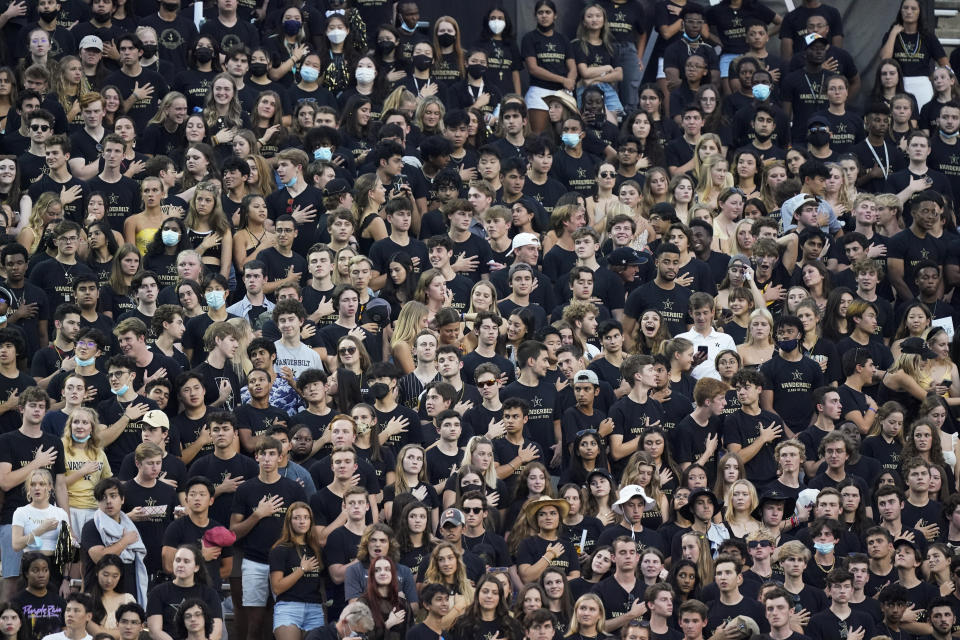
886	157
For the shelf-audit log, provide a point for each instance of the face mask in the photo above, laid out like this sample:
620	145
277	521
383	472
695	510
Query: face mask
497	26
818	139
446	39
949	136
761	91
403	25
3	319
121	391
823	547
215	299
466	488
309	74
80	440
386	46
337	35
203	54
476	71
100	18
149	50
788	345
362	428
84	363
379	390
544	29
170	6
422	63
323	153
289	183
48	16
762	137
291	27
365	75
570	139
258	69
170	237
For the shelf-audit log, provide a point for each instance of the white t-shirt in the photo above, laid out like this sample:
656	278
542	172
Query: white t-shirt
29	517
63	636
715	343
299	359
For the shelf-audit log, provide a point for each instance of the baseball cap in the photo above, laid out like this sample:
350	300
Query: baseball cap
454	517
335	187
157	418
810	38
818	121
91	42
585	375
624	256
917	346
524	240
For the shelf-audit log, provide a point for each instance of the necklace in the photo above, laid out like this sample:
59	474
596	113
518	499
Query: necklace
903	44
816	93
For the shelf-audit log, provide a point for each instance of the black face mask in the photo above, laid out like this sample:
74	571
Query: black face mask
818	139
149	50
466	488
762	138
386	46
170	6
476	71
203	54
446	39
422	63
49	16
258	69
379	390
542	29
100	18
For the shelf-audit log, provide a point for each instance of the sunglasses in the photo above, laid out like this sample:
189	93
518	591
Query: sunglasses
486	383
753	544
585	432
608	174
117	374
40	127
347	351
472	510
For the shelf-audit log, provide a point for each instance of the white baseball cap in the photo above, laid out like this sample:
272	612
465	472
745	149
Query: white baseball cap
524	240
91	42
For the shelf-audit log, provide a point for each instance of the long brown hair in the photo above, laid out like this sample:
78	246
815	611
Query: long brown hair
310	537
393	592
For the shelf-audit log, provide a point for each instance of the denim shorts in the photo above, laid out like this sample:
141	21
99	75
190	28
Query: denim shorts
725	61
9	556
304	615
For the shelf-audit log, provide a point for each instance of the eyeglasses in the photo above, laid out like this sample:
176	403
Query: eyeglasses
346	351
117	374
819	130
279	231
70	238
486	383
753	544
86	345
474	510
608	174
40	127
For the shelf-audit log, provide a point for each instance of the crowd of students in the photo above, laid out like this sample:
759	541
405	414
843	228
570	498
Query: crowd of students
332	319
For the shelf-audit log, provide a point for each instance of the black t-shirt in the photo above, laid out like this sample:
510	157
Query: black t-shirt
44	615
793	384
212	377
542	400
56	279
165	600
258	420
690	442
729	24
382	250
825	625
257	543
505	451
279	265
20	450
286	558
110	412
172	466
215	470
807	93
123	198
917	53
631	419
616	600
279	203
184	531
744	429
322	473
534	548
720	614
886	453
551	53
646	538
579	174
158	503
141	110
28	294
912	250
671	304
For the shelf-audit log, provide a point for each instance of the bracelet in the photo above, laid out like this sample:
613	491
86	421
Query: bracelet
874	409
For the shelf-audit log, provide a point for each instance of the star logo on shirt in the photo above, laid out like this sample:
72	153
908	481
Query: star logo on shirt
581	173
620	16
842	127
954	159
924	254
551	47
114	198
597	59
150	502
538	402
668	305
736	22
798	375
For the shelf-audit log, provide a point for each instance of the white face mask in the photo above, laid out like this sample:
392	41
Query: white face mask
365	75
337	36
497	26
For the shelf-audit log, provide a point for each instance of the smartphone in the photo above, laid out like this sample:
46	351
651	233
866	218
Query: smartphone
702	349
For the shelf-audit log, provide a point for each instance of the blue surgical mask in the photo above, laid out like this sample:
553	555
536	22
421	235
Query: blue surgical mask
949	136
761	91
289	183
823	547
309	74
170	237
323	153
80	440
3	319
121	391
84	363
788	345
215	299
571	139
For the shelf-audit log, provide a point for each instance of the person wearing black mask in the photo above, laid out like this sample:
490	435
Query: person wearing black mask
763	131
473	92
387	56
818	139
102	25
804	91
179	29
151	53
258	81
62	41
791	377
421	82
196	81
